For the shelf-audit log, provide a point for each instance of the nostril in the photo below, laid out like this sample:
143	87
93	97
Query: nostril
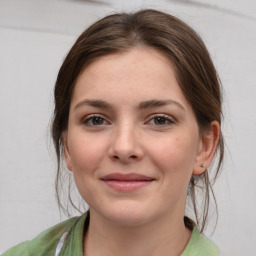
133	156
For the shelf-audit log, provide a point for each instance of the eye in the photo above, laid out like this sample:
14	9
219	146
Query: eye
94	120
161	120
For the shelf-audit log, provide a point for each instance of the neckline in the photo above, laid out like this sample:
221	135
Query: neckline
80	228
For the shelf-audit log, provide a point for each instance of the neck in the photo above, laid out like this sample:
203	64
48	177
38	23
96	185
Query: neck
165	237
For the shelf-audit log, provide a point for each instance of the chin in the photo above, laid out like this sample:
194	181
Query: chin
126	215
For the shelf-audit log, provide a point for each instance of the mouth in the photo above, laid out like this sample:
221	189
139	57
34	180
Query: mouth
127	182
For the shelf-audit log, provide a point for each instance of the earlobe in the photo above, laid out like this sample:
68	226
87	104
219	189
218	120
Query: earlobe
66	150
207	148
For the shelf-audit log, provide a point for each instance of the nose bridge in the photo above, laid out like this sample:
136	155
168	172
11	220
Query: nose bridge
126	141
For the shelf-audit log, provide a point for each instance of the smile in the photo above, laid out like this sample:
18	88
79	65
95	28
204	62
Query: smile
127	182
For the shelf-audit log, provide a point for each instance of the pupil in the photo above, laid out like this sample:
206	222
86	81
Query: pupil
97	120
160	120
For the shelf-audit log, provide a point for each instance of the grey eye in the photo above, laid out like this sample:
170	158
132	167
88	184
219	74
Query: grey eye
94	121
97	120
160	120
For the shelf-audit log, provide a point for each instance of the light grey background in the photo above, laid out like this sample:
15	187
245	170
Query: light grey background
34	38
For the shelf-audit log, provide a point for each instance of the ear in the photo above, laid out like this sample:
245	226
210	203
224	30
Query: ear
207	148
64	138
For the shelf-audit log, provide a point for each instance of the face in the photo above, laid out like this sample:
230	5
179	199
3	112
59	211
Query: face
132	141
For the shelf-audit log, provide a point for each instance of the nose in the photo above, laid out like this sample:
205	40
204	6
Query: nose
126	144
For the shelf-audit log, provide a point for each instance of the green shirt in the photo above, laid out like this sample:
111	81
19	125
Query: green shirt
46	243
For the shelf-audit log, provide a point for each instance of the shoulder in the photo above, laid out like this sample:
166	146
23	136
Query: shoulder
200	245
45	243
18	250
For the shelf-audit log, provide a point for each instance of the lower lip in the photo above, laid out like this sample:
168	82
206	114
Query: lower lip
127	186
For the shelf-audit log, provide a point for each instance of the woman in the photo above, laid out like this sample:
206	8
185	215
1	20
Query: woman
138	121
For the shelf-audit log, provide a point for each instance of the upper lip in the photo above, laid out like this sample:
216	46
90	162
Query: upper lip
127	177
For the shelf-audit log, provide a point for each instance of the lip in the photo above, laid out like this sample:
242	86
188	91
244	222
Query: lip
127	182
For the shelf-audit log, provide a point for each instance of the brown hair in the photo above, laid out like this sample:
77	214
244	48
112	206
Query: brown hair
195	73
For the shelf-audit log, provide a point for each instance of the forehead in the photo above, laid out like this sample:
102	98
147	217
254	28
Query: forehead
137	74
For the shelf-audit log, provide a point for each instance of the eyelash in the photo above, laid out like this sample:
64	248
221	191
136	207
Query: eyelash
90	118
163	117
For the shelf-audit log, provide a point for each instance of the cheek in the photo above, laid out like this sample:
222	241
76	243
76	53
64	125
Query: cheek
86	153
176	155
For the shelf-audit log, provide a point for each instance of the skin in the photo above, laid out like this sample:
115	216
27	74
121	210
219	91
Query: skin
126	135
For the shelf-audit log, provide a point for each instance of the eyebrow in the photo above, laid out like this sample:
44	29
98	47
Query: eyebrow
94	103
159	103
142	106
